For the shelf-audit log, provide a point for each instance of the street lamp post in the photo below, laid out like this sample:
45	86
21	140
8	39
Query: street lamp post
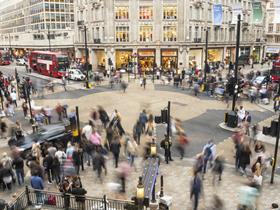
206	55
236	62
276	146
10	47
87	56
49	37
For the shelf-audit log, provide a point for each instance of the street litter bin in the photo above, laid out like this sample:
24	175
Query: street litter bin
165	203
232	119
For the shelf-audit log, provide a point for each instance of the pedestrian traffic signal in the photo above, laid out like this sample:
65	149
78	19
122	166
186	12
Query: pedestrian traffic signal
164	116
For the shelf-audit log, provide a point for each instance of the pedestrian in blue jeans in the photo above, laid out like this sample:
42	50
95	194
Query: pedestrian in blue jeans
18	165
37	184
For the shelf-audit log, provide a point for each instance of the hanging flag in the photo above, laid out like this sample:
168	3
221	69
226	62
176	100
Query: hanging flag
276	11
236	10
217	14
257	12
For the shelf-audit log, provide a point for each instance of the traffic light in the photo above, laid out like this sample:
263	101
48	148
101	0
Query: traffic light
164	116
22	91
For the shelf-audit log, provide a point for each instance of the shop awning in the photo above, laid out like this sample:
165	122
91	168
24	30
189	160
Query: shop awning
272	49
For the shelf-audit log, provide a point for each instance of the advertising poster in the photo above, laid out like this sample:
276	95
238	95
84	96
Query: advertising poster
257	12
217	14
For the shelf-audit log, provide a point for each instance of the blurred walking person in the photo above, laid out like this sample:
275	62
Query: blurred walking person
196	189
115	149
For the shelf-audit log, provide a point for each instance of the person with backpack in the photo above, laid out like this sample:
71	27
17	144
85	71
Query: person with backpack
196	189
209	152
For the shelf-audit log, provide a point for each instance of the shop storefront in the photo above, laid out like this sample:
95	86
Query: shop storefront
122	58
169	59
195	58
230	55
215	55
256	54
272	52
98	59
146	59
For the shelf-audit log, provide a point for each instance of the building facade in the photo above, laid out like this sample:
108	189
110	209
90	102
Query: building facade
272	31
36	24
166	33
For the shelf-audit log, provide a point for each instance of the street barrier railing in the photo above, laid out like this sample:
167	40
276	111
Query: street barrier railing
58	200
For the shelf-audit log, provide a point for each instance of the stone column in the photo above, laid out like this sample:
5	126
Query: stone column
187	50
224	53
158	56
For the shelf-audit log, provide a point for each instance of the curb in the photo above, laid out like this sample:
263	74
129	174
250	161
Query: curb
225	127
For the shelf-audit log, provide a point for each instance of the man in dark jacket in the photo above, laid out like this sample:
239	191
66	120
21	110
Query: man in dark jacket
137	131
18	165
143	119
37	183
48	165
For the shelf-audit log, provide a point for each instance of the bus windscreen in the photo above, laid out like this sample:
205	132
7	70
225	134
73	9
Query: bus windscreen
63	63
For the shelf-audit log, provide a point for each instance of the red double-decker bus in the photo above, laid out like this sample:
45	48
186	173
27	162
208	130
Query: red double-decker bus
53	64
275	71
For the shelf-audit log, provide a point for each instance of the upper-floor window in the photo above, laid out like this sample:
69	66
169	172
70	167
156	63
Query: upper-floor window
122	13
271	4
145	12
169	33
169	12
278	27
122	34
146	34
270	27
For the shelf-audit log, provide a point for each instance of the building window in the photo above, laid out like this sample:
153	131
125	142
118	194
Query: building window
277	39
190	33
146	33
169	13
121	13
271	5
169	33
278	27
145	13
122	34
270	27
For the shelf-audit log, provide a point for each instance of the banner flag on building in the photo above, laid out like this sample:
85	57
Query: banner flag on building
276	11
236	10
257	12
217	14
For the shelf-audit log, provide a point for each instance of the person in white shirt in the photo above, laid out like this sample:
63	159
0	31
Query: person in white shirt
87	130
241	113
14	97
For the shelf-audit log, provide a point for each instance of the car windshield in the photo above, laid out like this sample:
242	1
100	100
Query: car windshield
63	63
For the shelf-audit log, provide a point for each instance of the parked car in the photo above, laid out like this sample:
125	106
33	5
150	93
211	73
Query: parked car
21	62
75	74
56	133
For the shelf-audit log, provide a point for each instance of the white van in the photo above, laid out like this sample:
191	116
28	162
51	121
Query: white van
75	74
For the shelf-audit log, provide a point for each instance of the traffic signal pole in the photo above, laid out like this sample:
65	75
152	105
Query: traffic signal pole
236	62
86	50
206	56
168	120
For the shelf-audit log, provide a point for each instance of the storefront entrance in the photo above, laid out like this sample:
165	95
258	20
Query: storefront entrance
230	55
98	60
245	51
122	58
146	59
256	54
169	59
195	58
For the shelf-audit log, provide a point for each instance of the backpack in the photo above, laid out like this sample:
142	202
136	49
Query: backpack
208	151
